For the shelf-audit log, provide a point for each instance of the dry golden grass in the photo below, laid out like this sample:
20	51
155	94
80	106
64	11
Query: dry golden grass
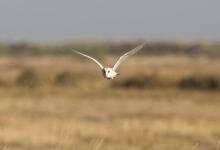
94	116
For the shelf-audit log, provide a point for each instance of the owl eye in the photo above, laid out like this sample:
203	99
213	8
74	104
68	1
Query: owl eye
108	71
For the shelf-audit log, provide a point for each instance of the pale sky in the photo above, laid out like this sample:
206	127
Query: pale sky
60	20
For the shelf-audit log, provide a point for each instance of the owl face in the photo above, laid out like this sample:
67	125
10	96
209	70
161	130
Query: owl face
109	73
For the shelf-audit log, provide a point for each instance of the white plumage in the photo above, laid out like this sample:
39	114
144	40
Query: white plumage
110	72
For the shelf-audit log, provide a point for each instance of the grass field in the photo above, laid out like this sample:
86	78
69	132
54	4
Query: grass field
64	103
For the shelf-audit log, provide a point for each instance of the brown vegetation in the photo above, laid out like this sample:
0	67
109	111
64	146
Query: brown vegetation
72	107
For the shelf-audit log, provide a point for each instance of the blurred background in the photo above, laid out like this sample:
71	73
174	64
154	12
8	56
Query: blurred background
167	96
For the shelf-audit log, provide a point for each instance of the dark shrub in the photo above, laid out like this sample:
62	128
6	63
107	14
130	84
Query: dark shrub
28	78
202	82
66	78
137	82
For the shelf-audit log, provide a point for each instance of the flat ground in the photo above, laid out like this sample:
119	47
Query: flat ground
93	115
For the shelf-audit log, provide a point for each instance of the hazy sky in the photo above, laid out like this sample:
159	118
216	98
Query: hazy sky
59	20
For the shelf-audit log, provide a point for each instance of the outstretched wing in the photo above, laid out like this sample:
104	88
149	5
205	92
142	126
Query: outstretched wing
123	57
98	63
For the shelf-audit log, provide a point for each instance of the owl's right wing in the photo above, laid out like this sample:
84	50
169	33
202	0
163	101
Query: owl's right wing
93	59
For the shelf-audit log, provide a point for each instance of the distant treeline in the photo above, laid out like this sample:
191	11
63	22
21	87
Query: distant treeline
109	48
